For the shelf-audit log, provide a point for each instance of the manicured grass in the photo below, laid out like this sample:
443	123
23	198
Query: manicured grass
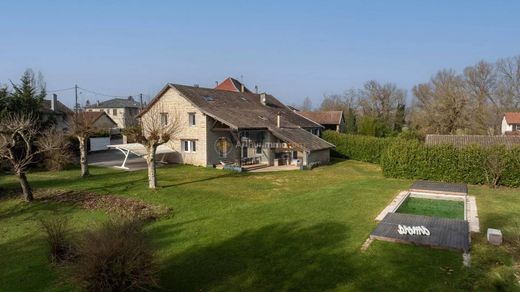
434	208
298	230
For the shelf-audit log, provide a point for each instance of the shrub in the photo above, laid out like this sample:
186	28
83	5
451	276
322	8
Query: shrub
358	147
60	247
472	164
407	157
116	257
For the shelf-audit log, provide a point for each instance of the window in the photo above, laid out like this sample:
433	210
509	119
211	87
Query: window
164	119
295	154
244	152
189	146
516	127
258	150
114	112
191	119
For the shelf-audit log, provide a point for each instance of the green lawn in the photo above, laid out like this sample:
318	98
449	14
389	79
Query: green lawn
432	207
299	230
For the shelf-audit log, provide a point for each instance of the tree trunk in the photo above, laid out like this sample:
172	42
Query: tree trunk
150	160
26	188
83	157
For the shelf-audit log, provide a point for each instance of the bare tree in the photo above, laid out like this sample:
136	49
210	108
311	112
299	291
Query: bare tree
508	87
481	82
307	105
380	101
156	127
20	144
82	128
441	106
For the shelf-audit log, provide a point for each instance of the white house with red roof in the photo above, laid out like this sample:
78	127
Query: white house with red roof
511	123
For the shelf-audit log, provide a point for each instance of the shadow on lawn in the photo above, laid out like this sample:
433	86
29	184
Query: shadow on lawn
275	257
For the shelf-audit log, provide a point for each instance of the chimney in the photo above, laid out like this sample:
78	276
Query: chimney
278	119
54	102
256	89
196	85
241	87
141	100
131	98
97	102
263	99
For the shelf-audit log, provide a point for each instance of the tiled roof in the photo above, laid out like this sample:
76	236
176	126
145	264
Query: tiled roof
231	84
324	117
301	138
116	103
60	107
512	117
461	141
244	110
94	116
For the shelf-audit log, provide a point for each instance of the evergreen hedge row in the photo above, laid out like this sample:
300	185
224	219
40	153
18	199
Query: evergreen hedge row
412	159
357	147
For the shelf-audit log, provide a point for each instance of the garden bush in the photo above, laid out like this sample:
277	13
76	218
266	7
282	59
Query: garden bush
412	159
59	245
358	147
116	257
473	164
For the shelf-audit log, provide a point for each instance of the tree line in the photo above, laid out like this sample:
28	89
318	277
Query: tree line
471	102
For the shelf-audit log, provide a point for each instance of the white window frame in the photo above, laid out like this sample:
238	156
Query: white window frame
515	127
192	120
191	146
165	121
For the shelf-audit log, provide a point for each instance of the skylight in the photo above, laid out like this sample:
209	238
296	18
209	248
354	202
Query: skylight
208	98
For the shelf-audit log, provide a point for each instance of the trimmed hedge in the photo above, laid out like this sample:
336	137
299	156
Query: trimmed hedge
357	147
412	159
472	164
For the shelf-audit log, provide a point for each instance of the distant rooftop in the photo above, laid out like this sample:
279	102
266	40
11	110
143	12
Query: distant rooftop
231	84
116	103
324	117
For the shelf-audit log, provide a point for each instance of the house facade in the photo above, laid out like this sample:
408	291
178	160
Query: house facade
511	123
122	110
241	128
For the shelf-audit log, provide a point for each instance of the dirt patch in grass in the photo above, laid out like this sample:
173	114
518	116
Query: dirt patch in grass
112	205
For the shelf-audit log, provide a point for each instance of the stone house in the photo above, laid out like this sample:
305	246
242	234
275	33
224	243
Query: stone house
240	128
123	111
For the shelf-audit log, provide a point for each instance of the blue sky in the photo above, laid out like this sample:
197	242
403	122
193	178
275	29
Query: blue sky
291	49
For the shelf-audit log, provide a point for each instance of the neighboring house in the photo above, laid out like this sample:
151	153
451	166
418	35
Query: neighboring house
223	127
122	110
465	140
330	120
100	120
231	84
511	123
103	126
58	112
